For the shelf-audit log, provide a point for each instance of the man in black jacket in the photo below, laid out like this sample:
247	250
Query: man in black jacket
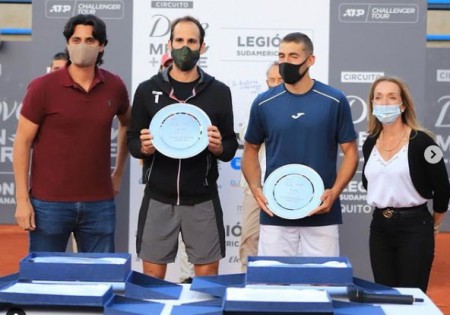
181	195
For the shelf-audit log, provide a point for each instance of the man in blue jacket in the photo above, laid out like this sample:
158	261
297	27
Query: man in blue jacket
181	195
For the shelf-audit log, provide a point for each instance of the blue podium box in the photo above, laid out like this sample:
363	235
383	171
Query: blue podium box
120	305
93	267
141	286
184	309
52	294
9	278
285	303
217	285
299	270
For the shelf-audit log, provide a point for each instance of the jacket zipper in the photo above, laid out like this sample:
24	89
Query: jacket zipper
178	182
208	167
172	96
149	171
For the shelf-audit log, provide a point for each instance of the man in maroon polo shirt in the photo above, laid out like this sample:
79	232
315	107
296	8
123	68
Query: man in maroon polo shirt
65	123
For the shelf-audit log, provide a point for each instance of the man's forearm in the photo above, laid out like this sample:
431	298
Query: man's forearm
122	150
346	170
251	168
21	162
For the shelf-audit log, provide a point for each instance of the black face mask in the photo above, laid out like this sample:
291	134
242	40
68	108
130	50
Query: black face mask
185	58
290	72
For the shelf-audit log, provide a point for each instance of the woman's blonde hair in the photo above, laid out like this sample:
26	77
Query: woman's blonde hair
408	115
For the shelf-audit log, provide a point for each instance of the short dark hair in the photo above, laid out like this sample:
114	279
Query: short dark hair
62	55
98	32
300	38
188	18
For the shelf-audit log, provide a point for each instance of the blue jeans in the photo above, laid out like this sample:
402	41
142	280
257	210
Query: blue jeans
92	224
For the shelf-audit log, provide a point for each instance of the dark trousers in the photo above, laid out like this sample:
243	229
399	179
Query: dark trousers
402	249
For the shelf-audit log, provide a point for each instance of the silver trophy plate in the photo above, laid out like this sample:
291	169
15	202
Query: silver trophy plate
180	130
293	191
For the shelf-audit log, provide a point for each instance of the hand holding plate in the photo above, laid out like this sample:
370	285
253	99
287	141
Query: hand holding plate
327	202
146	138
215	140
261	200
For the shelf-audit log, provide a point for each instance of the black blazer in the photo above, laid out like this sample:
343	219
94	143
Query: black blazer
430	180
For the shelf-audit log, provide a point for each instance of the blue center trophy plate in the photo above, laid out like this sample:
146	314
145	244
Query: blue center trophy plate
180	130
293	191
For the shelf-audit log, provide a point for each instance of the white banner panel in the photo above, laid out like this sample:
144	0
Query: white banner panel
242	39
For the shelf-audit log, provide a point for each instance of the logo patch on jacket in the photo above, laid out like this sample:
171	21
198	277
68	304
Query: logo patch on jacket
157	94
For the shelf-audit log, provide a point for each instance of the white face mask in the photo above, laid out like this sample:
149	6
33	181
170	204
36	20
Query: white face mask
387	114
83	55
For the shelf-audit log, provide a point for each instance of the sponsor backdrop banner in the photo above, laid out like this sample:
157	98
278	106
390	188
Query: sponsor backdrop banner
240	48
369	39
49	18
437	104
14	77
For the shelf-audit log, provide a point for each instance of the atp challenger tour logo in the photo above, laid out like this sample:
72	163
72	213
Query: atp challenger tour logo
105	9
60	8
378	13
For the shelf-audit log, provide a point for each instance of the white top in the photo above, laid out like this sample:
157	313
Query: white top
389	183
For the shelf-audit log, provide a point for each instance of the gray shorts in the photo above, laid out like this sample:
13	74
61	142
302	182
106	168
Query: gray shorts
201	227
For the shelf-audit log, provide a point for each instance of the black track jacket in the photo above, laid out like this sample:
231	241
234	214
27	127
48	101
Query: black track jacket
182	181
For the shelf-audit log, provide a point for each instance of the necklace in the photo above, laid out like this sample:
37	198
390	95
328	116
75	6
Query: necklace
396	145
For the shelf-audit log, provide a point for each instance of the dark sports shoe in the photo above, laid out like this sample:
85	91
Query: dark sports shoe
187	280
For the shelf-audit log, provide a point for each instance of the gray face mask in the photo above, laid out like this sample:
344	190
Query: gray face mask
83	55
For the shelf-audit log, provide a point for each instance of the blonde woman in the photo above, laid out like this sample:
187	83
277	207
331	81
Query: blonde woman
400	181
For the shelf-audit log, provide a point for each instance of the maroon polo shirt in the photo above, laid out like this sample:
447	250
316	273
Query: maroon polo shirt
71	158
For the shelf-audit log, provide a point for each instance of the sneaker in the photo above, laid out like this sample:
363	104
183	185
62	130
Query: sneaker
187	280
